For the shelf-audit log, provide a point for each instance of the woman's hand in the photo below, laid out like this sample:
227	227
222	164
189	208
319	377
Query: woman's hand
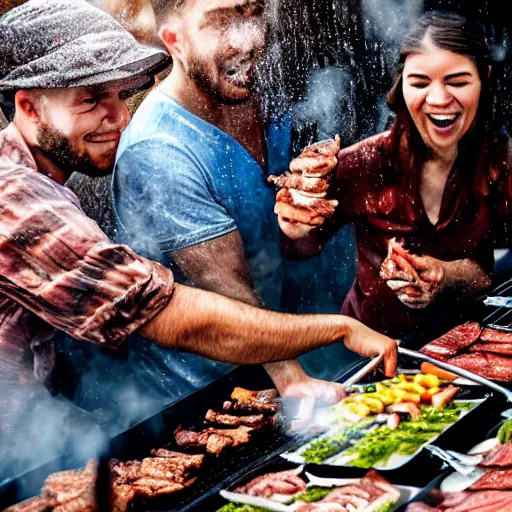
300	203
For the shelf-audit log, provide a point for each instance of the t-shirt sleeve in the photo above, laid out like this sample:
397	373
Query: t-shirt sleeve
58	264
165	199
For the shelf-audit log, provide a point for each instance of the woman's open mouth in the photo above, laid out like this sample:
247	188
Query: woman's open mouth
443	120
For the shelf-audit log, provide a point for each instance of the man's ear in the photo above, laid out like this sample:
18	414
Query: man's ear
26	104
172	39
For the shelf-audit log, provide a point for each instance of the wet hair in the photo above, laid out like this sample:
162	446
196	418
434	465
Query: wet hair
457	34
162	8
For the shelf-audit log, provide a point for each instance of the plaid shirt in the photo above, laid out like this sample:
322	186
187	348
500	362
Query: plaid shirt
59	271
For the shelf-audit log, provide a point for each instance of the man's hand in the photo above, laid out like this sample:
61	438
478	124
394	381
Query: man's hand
368	343
312	394
300	204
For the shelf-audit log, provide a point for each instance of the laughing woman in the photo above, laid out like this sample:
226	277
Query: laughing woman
438	182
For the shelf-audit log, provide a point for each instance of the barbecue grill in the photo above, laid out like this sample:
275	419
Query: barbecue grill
265	446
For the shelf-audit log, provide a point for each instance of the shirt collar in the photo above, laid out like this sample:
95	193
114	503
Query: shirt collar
14	148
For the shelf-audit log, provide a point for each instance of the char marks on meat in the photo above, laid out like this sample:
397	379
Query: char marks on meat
253	401
283	482
66	491
485	364
453	341
215	440
494	336
254	421
165	473
499	456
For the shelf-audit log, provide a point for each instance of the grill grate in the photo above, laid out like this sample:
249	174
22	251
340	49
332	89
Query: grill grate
500	318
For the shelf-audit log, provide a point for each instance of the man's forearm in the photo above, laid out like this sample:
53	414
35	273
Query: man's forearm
219	328
465	275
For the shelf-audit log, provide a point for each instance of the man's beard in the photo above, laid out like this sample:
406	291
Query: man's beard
197	70
58	148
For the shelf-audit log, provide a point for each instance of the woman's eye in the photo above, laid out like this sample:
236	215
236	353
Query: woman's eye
458	84
90	101
419	85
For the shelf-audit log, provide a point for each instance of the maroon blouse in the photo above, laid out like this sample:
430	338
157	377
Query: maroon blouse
383	203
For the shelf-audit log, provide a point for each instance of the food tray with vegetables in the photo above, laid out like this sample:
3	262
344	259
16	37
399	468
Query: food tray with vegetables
384	424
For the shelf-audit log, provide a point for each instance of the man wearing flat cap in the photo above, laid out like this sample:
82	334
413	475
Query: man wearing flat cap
66	67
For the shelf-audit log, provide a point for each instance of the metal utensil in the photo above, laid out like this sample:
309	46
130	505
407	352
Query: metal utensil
500	302
365	370
470	471
457	371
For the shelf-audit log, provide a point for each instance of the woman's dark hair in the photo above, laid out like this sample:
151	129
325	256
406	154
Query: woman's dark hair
460	35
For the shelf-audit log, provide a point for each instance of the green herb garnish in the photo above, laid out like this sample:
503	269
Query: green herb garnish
312	494
237	507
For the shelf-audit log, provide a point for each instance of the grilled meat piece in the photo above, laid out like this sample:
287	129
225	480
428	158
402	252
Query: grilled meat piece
66	491
494	336
455	340
166	473
490	366
499	456
254	421
214	439
283	482
499	479
36	504
494	348
253	401
317	186
318	159
187	461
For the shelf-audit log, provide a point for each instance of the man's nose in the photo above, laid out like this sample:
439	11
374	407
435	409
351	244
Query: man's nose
248	37
117	113
438	95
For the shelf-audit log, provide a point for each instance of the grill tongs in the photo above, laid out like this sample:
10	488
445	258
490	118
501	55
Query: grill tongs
457	371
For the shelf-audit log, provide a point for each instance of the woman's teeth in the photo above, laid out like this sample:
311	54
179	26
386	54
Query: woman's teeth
443	121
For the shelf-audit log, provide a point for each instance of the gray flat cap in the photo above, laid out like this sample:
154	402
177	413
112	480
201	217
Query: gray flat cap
49	44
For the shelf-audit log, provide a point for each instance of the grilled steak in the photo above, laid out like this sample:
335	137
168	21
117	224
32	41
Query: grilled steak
214	439
253	401
449	344
499	479
494	336
254	421
490	366
495	348
499	456
66	491
36	504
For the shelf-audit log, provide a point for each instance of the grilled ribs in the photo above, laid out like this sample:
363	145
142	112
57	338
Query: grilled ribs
66	491
253	421
253	401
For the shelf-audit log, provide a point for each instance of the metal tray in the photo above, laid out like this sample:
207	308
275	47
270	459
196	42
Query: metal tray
215	502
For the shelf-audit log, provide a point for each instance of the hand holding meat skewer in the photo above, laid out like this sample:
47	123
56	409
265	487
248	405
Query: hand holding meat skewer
300	204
